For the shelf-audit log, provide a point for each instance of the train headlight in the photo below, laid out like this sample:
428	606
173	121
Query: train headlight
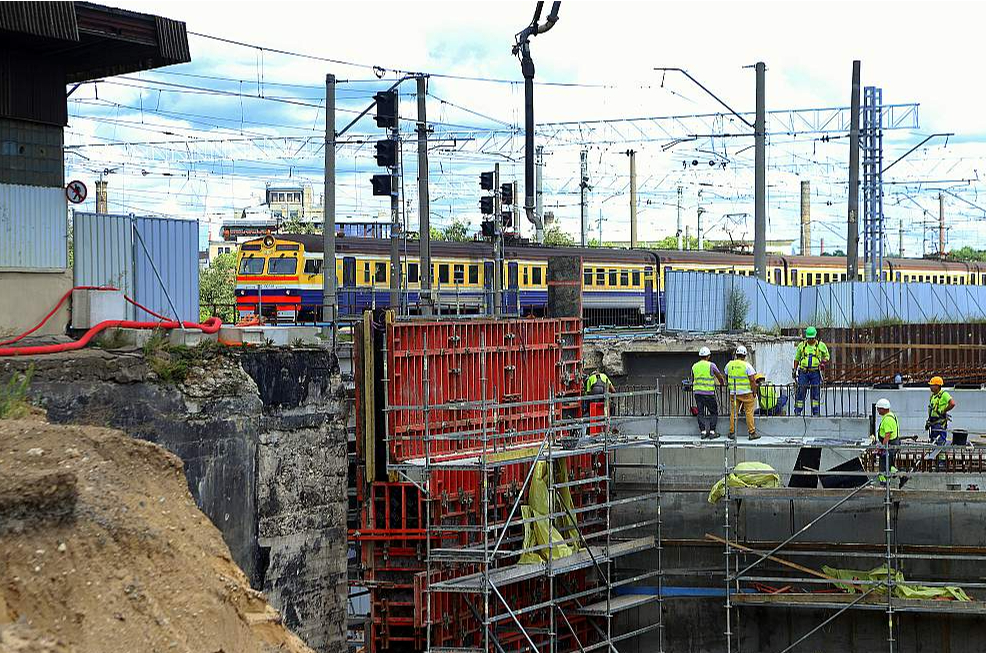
268	241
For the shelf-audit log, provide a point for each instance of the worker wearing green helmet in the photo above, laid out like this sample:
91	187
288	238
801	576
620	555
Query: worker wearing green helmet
810	359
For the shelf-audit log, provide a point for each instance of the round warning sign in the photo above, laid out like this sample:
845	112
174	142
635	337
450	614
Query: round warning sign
76	192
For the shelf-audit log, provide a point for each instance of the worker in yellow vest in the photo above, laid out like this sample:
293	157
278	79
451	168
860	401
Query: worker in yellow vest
705	374
771	402
810	359
742	383
939	405
597	387
887	434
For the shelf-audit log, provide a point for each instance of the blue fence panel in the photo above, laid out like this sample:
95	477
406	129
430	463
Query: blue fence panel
166	266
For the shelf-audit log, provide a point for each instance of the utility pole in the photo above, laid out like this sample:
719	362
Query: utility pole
941	225
497	246
599	227
900	238
329	308
852	234
678	232
424	205
700	211
102	196
633	198
522	49
760	181
805	218
395	216
583	186
539	194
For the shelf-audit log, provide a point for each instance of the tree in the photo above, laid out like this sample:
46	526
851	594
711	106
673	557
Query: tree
967	254
456	232
555	237
217	289
298	226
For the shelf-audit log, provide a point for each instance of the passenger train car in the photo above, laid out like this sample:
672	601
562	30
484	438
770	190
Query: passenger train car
280	276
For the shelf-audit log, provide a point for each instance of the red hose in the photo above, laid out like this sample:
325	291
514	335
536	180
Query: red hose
209	326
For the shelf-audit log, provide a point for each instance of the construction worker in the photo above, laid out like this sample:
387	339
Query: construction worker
597	386
810	359
939	405
742	383
771	402
887	434
705	374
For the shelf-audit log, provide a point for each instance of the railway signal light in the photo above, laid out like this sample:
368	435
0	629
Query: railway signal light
488	228
382	185
507	219
486	205
386	109
386	153
507	193
486	181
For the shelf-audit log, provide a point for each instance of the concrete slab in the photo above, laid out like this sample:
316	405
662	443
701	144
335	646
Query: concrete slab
190	337
281	336
821	430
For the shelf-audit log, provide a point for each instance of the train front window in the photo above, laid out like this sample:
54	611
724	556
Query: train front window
283	266
252	265
313	266
380	272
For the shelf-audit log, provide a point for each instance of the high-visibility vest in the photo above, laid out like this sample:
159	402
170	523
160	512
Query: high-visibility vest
768	397
810	356
736	376
595	378
888	425
938	403
702	379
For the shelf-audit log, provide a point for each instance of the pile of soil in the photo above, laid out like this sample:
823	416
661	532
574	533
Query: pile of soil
103	549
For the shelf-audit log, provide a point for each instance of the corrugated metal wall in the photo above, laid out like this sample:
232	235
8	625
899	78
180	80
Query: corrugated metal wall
33	228
699	301
108	251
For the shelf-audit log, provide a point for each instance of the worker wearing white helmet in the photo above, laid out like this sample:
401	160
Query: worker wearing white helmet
887	433
742	382
705	374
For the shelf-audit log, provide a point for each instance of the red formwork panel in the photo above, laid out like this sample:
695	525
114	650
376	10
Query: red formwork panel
469	361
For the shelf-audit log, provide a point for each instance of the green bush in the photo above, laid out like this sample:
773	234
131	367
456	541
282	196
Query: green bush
13	395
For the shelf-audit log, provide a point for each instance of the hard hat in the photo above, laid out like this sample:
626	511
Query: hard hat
704	351
760	377
936	380
811	332
741	351
884	404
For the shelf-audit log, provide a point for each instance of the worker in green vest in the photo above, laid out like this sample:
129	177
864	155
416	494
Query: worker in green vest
771	402
810	359
705	374
887	434
939	405
742	383
598	383
597	386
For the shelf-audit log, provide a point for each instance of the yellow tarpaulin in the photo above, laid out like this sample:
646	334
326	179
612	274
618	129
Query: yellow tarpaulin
747	474
562	533
902	589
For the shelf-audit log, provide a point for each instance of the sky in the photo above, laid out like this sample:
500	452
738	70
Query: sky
201	140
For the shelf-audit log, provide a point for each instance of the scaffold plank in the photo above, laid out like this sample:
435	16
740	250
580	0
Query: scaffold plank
928	496
840	601
616	604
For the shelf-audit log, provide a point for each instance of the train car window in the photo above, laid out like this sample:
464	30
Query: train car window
250	248
474	275
443	273
458	273
612	277
624	278
587	277
794	277
828	277
972	279
536	276
252	265
636	278
313	265
366	272
282	265
983	280
808	279
413	273
600	277
526	276
286	248
380	272
842	277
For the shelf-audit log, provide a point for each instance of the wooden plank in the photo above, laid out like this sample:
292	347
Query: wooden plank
786	563
839	601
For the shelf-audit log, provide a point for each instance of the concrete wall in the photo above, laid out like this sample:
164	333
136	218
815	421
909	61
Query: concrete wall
26	297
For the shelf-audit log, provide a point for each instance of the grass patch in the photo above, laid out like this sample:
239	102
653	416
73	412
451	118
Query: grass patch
13	396
171	363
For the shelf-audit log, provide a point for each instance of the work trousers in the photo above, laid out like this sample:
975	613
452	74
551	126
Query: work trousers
939	431
809	379
749	404
708	412
886	457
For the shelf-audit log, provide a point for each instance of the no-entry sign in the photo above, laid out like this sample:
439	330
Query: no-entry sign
76	192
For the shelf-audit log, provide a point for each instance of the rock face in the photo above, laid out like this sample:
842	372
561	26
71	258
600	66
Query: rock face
262	437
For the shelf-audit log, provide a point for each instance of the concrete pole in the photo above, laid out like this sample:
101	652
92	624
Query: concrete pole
900	238
678	232
538	192
760	179
583	185
805	218
687	236
698	230
497	245
941	225
633	198
395	218
329	307
102	197
852	233
424	205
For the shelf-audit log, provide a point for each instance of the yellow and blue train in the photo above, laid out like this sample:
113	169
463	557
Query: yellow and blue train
280	276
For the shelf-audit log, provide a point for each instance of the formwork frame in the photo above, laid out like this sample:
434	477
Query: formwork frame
890	555
564	602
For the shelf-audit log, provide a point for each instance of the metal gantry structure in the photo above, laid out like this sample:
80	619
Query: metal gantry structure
872	159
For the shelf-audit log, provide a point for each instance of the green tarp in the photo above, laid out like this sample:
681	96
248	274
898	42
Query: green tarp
562	534
747	474
902	589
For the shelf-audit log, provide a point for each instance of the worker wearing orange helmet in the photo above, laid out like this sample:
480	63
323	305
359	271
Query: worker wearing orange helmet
939	405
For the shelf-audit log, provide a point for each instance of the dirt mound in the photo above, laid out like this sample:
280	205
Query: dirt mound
103	549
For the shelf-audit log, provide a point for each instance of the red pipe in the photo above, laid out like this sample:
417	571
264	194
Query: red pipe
53	311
